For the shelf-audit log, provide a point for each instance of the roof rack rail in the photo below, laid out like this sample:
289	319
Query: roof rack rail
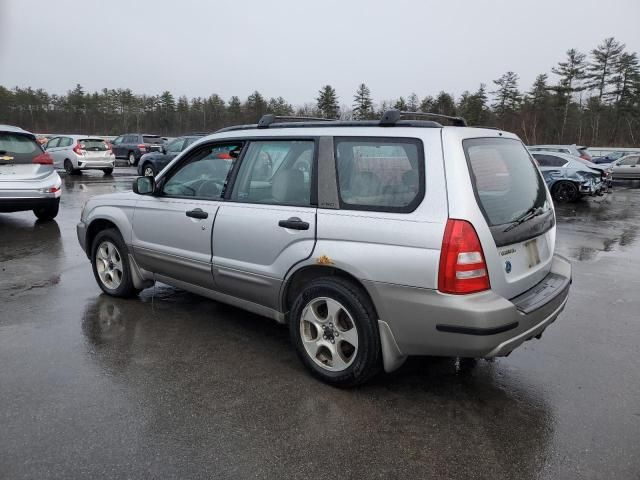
270	118
391	117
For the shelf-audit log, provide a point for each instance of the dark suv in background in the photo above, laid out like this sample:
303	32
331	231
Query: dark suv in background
133	145
151	163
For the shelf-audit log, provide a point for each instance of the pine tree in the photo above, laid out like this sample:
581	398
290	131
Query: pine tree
600	70
362	103
427	104
507	94
444	104
413	103
571	72
255	106
327	102
401	105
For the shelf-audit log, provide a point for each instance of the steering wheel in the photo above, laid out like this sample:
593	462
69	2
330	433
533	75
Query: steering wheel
209	188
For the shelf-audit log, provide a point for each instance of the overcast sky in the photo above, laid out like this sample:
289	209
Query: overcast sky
293	47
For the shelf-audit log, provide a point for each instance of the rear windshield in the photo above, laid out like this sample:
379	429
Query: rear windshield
152	139
508	187
17	148
93	144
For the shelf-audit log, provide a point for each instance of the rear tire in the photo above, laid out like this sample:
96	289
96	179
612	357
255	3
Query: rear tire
565	192
334	329
49	211
110	264
68	167
132	159
107	171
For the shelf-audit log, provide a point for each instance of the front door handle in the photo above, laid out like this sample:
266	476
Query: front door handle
294	223
197	213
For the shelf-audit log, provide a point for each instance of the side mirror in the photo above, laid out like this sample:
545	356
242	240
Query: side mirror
164	150
144	185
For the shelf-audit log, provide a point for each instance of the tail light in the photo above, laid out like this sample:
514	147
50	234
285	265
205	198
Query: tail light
142	147
78	149
462	265
43	159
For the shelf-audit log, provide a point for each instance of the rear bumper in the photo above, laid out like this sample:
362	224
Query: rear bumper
427	322
96	164
8	205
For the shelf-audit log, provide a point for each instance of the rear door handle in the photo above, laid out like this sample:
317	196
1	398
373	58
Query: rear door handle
197	213
294	223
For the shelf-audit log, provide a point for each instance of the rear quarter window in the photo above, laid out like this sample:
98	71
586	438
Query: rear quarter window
380	174
152	139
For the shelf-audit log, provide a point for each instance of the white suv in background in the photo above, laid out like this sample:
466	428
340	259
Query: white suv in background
75	153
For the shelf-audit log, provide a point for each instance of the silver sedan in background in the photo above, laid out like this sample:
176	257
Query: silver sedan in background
28	180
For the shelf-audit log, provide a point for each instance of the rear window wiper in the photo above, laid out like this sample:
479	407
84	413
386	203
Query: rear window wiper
528	215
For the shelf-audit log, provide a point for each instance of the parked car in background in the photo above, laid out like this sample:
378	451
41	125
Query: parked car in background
28	180
364	240
578	151
567	177
627	168
133	145
151	163
75	153
612	157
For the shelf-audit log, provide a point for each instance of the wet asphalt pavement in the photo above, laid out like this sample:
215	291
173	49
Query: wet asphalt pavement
171	385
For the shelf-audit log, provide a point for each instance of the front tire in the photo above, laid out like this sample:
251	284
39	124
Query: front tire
110	262
49	211
68	167
148	171
334	329
107	171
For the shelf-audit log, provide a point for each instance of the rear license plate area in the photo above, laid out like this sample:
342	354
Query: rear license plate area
533	253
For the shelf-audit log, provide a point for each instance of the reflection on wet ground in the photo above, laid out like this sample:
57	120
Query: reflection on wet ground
172	385
600	224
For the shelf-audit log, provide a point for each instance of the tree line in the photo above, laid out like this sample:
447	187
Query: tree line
591	99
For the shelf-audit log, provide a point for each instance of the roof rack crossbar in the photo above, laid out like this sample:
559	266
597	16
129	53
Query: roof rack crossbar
270	118
391	117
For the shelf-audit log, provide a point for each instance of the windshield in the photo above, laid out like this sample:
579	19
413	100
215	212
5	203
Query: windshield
17	148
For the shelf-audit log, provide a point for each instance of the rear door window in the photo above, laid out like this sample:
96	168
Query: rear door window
17	148
509	189
382	174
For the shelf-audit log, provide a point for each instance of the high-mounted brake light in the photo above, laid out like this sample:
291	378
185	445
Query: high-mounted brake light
462	265
43	159
78	149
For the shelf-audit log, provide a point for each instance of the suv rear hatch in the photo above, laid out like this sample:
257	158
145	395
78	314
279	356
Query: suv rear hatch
513	199
94	149
154	143
19	157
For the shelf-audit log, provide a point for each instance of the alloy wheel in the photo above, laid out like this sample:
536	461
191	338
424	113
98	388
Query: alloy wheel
109	265
329	334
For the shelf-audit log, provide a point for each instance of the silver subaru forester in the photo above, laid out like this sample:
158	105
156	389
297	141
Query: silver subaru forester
372	240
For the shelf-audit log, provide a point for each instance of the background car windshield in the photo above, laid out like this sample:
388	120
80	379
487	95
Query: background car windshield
506	181
175	145
93	145
16	148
